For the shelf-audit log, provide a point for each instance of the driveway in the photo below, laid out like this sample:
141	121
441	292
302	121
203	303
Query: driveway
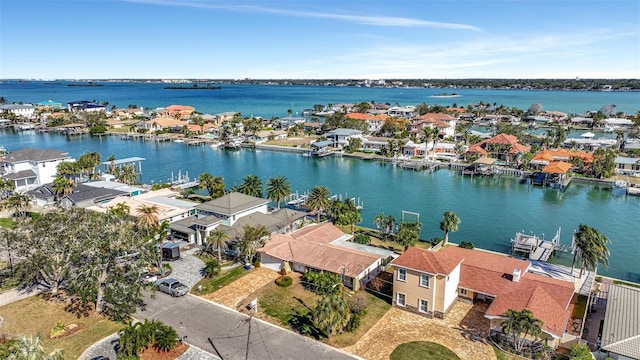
228	330
463	324
188	269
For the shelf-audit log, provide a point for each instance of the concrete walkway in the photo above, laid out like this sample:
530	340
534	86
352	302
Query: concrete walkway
13	295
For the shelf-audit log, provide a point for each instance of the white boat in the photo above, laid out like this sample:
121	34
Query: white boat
619	187
216	145
178	140
609	129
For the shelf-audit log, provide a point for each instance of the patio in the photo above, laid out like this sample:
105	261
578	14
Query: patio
463	331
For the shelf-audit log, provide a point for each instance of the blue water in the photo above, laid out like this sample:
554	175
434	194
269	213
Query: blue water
492	210
273	100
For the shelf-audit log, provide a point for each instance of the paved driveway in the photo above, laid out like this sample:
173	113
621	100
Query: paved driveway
201	320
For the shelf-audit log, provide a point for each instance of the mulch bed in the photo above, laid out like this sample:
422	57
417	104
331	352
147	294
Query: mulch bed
155	354
68	330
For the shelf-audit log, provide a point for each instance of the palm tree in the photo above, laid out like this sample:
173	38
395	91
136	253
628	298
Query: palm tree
429	134
127	174
450	222
214	185
32	348
332	313
278	188
148	216
251	185
521	324
591	245
408	234
217	240
318	199
112	166
62	186
17	204
120	210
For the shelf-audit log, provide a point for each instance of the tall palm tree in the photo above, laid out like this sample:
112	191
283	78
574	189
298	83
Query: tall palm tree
18	204
62	186
449	223
148	216
521	324
332	313
591	246
112	166
217	240
429	134
120	210
251	185
278	188
318	199
127	174
214	185
32	348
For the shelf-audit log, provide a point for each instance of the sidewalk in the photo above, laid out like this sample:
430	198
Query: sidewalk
13	295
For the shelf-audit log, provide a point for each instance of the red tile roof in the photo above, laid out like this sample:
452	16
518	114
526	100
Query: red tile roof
436	116
562	154
491	274
428	261
557	167
503	139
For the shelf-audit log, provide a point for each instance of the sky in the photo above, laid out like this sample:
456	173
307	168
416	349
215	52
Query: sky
319	39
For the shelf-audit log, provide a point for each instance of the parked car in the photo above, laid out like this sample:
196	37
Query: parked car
149	277
172	287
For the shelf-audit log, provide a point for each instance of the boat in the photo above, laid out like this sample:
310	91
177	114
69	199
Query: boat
619	187
178	140
609	129
216	145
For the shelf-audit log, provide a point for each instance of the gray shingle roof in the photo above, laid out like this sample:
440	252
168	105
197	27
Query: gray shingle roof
37	155
232	203
24	174
621	330
83	192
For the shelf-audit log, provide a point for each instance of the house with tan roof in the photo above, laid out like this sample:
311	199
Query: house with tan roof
503	147
313	248
548	156
161	123
374	122
179	111
446	124
429	282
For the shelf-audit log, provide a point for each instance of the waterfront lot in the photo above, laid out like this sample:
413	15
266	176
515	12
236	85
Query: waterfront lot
18	319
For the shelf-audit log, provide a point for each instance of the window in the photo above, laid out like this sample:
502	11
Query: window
401	299
464	292
423	306
402	274
424	280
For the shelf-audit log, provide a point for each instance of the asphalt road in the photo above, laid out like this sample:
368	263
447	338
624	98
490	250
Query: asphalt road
200	320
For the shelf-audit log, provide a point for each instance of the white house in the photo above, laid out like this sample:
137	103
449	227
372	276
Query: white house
29	168
25	110
402	111
340	137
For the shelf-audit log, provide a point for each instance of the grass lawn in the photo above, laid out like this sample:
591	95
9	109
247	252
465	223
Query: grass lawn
417	350
225	278
34	316
280	304
501	355
7	223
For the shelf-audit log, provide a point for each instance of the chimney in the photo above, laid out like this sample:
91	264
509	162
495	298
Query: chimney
516	275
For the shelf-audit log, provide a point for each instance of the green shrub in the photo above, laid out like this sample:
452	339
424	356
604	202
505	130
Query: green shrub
599	278
211	268
166	338
362	239
354	322
284	281
466	245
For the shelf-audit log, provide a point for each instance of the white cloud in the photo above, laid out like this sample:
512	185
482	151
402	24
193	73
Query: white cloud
358	19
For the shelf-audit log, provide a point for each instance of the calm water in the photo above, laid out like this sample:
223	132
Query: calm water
271	100
492	210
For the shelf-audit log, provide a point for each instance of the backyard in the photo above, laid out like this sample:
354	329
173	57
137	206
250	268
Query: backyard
18	319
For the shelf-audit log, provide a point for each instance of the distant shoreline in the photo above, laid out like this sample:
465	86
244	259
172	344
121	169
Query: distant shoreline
194	87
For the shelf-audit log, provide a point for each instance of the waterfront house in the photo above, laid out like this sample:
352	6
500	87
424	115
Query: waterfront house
24	110
502	147
446	151
48	105
545	157
406	112
374	144
617	124
429	282
314	248
411	149
621	327
581	121
179	111
374	122
161	123
230	213
29	168
627	166
85	106
446	124
340	137
129	113
267	135
84	196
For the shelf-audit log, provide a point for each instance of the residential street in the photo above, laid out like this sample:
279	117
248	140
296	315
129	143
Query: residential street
200	319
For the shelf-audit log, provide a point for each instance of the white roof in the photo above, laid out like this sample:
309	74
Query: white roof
588	135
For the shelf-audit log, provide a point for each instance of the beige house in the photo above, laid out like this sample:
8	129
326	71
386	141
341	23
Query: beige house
316	248
429	282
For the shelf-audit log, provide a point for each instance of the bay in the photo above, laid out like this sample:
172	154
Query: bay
274	100
492	210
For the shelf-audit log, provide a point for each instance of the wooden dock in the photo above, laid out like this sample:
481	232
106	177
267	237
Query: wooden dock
538	249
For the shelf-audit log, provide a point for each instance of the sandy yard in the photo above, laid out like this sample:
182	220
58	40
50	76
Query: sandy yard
234	293
397	326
